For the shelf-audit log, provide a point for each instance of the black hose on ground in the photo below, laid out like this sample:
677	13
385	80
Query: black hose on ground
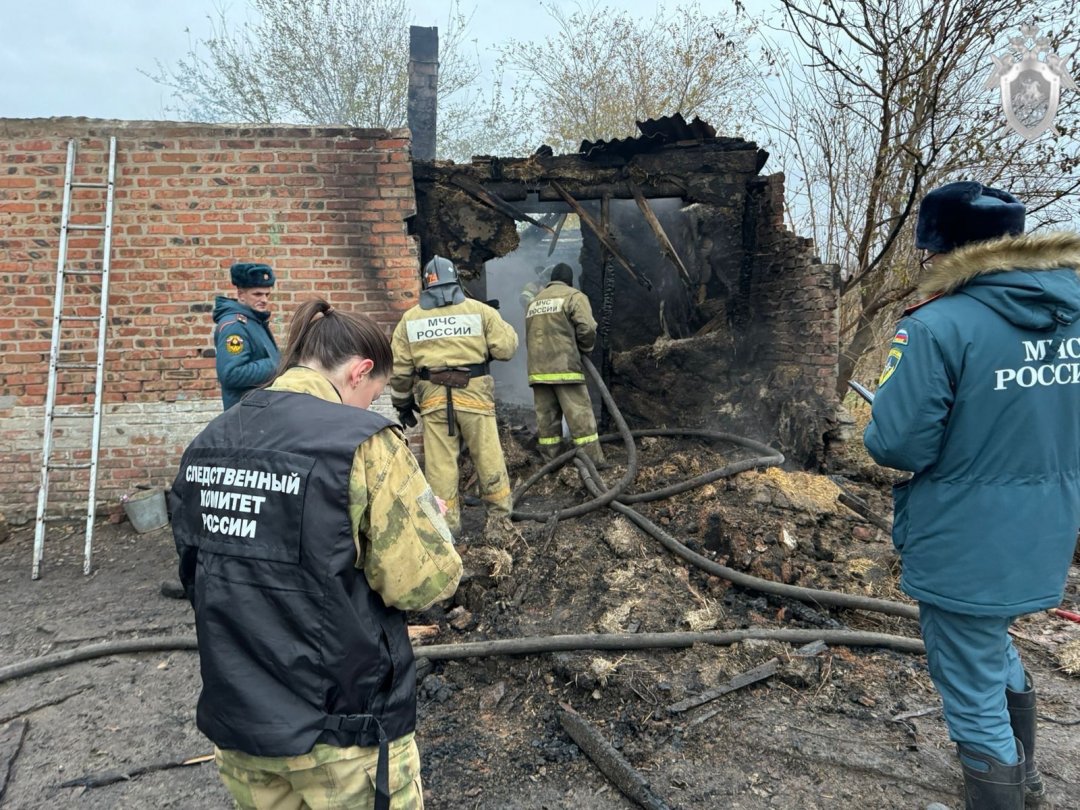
769	458
615	499
508	646
814	595
655	641
62	659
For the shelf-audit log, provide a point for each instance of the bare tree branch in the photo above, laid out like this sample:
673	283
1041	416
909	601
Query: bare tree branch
329	62
893	105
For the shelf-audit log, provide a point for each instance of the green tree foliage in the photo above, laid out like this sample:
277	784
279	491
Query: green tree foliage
879	101
320	62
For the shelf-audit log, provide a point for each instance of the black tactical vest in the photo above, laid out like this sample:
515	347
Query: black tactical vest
295	648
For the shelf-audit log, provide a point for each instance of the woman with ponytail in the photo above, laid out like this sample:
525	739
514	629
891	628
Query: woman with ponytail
305	529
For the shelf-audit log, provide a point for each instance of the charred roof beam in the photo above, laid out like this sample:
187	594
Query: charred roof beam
493	200
666	247
602	235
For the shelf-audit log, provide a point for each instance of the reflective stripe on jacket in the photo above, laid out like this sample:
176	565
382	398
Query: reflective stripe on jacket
559	326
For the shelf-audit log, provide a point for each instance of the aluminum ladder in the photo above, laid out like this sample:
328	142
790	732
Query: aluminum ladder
60	319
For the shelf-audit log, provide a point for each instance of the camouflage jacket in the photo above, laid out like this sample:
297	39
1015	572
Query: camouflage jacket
402	542
559	326
455	335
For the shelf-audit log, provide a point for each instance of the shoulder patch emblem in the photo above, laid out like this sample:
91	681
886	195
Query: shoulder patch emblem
234	344
901	338
893	360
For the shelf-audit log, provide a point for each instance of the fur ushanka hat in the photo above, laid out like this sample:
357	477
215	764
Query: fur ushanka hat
958	214
250	274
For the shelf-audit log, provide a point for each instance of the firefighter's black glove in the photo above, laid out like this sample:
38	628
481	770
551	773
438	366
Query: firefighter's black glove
405	415
493	303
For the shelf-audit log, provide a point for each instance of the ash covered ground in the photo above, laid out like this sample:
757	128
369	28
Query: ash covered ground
850	727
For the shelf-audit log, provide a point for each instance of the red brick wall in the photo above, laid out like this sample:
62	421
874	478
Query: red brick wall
325	207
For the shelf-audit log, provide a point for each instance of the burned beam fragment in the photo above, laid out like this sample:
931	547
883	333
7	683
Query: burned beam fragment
11	740
751	676
602	235
488	198
658	230
601	184
555	235
613	764
861	508
112	777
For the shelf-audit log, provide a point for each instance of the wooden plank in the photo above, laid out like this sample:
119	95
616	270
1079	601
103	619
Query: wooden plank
666	247
602	235
555	234
751	676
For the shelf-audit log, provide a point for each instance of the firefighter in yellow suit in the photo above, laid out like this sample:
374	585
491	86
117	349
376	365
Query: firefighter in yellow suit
559	326
442	347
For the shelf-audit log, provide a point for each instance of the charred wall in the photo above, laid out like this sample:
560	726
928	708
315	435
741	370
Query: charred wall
759	355
742	337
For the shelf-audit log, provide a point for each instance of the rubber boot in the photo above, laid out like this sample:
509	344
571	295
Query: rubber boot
992	786
1022	718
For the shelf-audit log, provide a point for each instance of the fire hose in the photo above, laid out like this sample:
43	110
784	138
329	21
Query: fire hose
614	499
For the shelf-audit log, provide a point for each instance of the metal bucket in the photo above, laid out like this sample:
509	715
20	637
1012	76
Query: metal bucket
146	510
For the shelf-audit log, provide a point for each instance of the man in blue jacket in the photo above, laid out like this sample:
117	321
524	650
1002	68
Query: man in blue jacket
246	352
979	399
247	355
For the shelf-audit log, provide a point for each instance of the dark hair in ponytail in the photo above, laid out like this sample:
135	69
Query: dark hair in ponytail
330	336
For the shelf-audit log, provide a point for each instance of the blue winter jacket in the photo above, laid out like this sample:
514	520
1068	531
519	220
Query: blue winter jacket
246	352
980	399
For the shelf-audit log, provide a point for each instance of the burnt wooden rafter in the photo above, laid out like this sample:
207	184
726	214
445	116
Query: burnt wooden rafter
661	236
602	235
555	235
493	200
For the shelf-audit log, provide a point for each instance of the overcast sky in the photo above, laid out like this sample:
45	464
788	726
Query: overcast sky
82	57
